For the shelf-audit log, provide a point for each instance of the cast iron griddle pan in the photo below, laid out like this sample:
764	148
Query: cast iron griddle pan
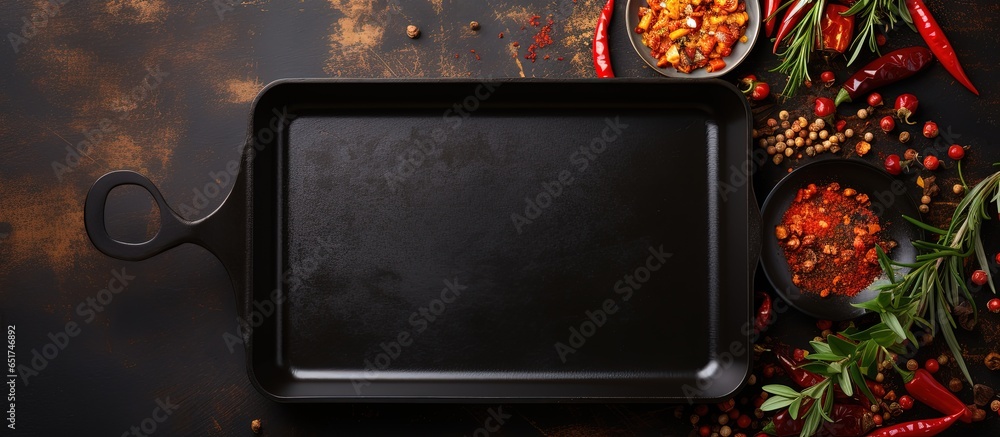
456	240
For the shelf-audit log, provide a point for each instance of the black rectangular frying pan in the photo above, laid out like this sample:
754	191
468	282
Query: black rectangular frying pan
456	240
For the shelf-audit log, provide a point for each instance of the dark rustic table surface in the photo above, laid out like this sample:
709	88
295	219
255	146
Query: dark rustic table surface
164	88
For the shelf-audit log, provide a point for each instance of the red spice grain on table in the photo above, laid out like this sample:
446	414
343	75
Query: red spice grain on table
829	236
542	39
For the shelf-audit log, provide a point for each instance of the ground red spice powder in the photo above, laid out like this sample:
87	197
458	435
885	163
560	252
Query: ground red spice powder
542	38
828	236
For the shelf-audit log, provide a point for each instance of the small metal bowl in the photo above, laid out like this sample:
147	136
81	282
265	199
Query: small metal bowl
740	50
888	206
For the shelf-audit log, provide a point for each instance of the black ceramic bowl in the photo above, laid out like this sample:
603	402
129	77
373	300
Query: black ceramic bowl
886	204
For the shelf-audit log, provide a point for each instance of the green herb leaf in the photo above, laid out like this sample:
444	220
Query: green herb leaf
956	351
780	390
776	403
859	380
826	356
818	367
820	347
868	357
893	323
844	379
840	346
811	424
794	407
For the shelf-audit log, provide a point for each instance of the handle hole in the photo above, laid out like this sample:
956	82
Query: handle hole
131	215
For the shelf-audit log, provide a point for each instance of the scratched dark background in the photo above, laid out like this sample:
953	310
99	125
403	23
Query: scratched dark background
162	336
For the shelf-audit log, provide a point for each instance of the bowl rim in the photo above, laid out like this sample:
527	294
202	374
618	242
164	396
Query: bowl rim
737	57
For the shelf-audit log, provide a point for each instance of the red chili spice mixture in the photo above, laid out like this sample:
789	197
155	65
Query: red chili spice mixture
542	38
829	235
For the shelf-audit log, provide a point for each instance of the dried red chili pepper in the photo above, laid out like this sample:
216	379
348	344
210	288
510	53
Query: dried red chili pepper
938	42
923	387
805	379
848	421
601	49
836	29
925	427
764	313
770	7
887	69
802	377
792	17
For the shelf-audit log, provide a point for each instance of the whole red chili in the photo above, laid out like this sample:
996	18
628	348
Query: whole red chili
887	124
827	77
798	355
770	7
601	48
849	420
979	277
802	377
764	313
931	163
932	365
874	99
906	105
887	69
705	431
956	152
938	42
931	129
836	29
792	17
760	91
757	90
824	107
925	427
743	421
923	387
892	165
993	305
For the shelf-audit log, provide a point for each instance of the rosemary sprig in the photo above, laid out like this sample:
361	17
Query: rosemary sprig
803	38
872	14
802	42
920	293
939	279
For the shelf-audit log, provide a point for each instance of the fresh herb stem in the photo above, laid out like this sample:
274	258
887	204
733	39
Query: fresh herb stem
871	14
795	58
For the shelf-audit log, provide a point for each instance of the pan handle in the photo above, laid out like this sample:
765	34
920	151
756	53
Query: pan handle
173	232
